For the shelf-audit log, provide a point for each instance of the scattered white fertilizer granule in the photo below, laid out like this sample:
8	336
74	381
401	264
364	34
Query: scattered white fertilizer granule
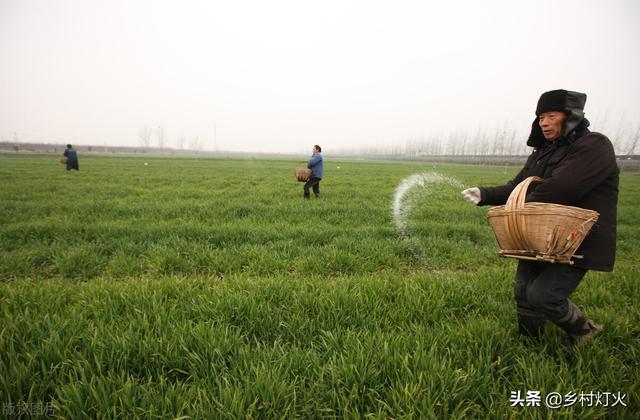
401	207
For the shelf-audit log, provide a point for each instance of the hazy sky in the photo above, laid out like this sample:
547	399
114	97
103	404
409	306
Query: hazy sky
280	76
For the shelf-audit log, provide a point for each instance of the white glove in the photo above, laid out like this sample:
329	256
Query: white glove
472	195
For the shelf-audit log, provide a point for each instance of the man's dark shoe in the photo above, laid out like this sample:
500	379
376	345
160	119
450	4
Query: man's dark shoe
531	327
571	342
594	329
532	334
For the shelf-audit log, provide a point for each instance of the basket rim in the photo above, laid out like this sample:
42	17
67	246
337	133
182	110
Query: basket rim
540	207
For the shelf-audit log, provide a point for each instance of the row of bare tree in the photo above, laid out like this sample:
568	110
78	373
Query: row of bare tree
149	137
499	142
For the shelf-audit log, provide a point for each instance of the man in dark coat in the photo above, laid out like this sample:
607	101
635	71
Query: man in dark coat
72	158
579	169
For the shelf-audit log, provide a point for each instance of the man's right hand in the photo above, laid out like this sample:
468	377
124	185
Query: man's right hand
472	195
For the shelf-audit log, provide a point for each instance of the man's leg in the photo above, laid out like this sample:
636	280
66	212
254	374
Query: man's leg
530	322
306	187
312	182
316	188
549	294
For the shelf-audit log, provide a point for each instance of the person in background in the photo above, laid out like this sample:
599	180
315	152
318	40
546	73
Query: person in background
579	169
317	171
72	158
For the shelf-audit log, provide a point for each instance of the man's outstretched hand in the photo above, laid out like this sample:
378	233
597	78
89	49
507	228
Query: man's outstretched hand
472	195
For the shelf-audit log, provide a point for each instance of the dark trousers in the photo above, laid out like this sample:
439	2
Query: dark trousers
542	293
314	183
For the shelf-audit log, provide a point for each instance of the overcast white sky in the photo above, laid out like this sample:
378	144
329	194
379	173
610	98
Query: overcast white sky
280	76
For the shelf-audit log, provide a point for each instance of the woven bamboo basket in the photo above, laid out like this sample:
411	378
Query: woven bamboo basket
63	160
539	231
302	173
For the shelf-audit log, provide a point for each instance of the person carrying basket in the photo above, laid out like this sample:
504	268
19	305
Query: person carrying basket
317	171
71	158
579	169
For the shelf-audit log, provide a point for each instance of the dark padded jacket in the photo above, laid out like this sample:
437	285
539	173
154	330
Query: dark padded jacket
72	159
579	170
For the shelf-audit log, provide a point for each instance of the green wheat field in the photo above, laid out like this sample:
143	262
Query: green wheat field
207	288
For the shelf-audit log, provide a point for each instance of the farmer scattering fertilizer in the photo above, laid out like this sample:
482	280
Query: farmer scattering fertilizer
579	169
70	157
317	172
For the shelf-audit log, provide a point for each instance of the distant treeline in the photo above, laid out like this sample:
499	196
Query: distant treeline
411	152
59	148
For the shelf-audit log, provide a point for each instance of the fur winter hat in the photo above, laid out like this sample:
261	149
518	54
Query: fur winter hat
569	102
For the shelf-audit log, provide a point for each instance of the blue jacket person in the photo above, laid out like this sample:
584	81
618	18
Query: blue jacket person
317	171
72	158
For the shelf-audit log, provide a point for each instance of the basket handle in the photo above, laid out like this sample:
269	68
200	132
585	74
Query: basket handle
515	223
519	193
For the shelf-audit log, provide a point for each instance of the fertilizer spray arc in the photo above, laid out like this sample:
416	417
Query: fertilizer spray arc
401	206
